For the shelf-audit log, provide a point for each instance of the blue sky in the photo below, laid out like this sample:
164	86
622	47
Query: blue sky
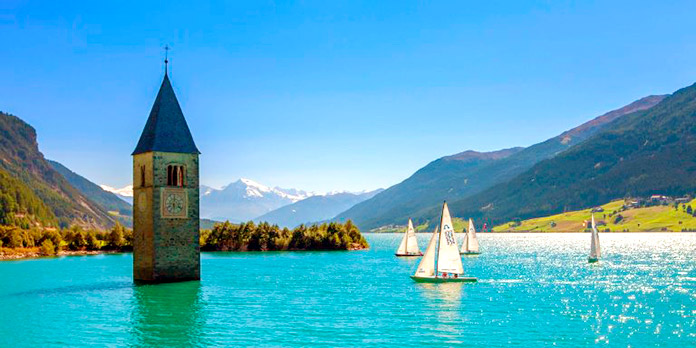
325	95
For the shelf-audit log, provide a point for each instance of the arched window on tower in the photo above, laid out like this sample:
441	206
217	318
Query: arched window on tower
176	175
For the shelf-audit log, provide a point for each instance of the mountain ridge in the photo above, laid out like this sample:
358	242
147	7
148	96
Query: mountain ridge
647	152
452	180
314	208
107	200
245	199
20	157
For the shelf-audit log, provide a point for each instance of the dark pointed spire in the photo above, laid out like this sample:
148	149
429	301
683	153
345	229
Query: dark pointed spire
166	129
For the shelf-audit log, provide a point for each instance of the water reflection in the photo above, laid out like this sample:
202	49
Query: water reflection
167	315
443	295
444	302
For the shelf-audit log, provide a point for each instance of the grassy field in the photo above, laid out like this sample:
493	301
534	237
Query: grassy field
655	218
459	226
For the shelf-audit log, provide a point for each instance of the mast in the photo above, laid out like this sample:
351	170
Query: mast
466	239
449	259
594	243
439	237
406	243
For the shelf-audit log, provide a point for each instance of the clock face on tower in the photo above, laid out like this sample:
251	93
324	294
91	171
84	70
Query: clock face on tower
174	203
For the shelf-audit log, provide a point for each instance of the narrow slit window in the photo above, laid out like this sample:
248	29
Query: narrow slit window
142	176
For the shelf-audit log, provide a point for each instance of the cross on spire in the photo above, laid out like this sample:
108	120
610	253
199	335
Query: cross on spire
166	59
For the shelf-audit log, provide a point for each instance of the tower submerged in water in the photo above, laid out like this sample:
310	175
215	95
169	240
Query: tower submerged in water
166	196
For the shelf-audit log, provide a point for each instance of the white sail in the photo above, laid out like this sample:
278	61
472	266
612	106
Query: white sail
409	244
599	249
470	244
412	242
426	268
402	246
595	250
448	259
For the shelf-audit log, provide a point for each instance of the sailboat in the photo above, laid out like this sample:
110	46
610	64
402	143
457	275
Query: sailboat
441	262
470	245
409	244
595	250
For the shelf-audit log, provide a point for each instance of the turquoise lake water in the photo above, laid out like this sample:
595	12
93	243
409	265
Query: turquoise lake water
533	290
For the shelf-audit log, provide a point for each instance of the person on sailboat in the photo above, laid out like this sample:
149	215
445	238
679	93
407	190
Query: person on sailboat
441	261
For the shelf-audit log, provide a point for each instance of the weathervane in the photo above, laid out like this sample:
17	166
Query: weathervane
166	59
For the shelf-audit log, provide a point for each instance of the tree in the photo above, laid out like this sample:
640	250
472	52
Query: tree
92	242
53	236
47	248
262	237
16	240
115	238
76	238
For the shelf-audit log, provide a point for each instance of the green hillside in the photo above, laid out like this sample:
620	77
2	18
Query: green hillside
442	178
613	218
459	176
645	153
21	159
20	206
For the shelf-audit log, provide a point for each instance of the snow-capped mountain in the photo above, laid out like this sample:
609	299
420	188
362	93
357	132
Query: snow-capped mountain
246	199
254	189
315	208
124	193
206	190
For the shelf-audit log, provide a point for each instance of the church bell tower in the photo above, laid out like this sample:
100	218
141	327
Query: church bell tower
165	195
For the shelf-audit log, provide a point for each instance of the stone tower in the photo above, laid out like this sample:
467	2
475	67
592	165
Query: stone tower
165	196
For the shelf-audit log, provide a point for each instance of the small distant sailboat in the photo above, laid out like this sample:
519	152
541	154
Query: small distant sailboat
595	250
441	262
409	244
470	245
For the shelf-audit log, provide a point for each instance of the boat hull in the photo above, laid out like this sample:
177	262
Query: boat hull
469	252
444	280
409	255
592	260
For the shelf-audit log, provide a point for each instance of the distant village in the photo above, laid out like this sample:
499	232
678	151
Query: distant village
644	202
640	202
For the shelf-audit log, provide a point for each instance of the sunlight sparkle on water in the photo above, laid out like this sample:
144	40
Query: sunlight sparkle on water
533	289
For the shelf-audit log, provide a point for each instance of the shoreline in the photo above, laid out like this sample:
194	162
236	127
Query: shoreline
35	253
10	254
540	232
